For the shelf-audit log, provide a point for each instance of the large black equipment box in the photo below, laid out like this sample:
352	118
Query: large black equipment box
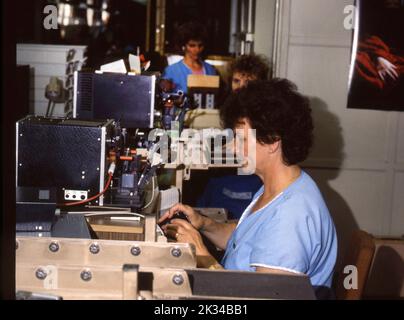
124	98
66	154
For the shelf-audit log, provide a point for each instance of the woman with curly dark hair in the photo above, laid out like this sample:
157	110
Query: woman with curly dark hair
287	228
192	37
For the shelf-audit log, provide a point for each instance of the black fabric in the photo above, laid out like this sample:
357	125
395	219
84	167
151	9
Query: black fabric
324	293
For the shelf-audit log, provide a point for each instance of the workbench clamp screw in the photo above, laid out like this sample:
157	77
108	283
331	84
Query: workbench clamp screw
135	251
178	279
86	275
54	247
41	274
94	248
176	252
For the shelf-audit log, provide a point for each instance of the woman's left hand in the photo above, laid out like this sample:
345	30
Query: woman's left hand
184	232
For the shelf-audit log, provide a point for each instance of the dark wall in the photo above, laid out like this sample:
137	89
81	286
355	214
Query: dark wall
128	23
125	31
214	14
8	113
28	26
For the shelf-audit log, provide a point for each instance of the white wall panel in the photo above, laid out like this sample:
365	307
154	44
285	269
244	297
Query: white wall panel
400	141
354	197
397	226
264	27
41	107
47	70
52	54
322	19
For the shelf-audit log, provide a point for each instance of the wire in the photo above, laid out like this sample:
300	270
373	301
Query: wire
152	198
48	109
92	198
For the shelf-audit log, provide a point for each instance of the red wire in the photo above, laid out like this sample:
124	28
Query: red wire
92	198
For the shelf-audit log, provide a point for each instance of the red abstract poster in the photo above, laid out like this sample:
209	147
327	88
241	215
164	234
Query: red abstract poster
377	71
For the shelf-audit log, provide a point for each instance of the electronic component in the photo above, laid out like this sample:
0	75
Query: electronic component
66	154
125	98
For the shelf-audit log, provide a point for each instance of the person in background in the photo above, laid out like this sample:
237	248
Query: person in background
235	192
192	38
248	68
287	228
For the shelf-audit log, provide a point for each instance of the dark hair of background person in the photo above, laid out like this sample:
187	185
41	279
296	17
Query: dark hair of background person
278	112
191	30
251	64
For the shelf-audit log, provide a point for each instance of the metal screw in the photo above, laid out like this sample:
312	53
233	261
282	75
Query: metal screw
94	248
86	275
135	251
176	252
178	279
54	247
41	274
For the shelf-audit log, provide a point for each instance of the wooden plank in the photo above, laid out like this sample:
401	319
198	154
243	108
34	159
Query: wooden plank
203	81
103	252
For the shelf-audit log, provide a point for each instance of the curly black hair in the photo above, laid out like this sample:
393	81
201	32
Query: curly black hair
191	30
278	112
251	64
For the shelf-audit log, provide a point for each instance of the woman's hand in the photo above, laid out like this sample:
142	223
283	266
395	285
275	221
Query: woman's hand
196	220
386	68
184	232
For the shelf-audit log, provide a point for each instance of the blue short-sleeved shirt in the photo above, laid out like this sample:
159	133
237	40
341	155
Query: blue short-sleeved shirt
179	72
294	233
